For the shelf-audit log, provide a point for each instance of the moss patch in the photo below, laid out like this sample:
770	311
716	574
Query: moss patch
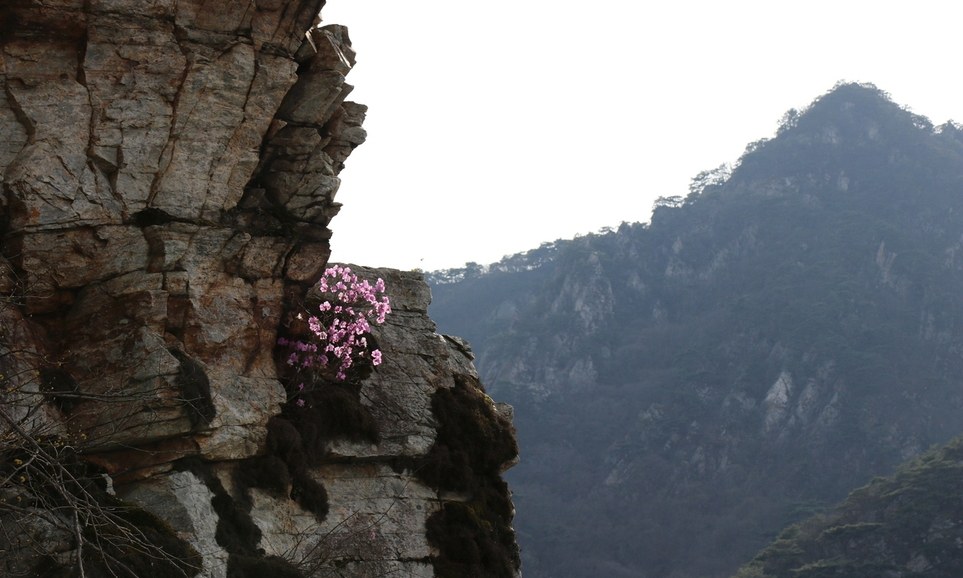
285	465
298	438
237	533
473	441
195	389
257	567
472	541
331	411
60	387
474	538
265	472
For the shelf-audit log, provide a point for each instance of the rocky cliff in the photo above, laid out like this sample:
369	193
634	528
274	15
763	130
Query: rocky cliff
168	172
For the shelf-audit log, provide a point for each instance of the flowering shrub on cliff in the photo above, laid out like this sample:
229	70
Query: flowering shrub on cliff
340	329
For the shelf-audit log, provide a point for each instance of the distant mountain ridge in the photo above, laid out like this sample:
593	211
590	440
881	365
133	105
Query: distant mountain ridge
525	261
687	388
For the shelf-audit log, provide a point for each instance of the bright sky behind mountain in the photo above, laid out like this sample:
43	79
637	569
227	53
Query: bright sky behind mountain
496	126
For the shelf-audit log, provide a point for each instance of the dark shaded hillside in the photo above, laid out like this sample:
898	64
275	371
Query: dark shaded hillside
685	389
908	525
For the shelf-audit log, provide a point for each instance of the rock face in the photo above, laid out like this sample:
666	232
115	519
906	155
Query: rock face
168	173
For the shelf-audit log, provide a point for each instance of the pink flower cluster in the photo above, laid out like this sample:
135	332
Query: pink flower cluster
340	326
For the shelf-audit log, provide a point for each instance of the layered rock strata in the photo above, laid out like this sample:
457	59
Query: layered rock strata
169	171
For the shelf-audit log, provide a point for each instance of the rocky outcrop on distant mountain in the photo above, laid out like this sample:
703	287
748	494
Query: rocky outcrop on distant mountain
169	171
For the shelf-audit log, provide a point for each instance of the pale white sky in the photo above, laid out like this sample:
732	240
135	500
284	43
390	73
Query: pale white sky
495	126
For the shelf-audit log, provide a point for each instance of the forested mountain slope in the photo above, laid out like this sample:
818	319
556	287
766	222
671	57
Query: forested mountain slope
908	525
685	389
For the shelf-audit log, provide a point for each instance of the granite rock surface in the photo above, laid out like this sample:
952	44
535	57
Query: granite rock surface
168	173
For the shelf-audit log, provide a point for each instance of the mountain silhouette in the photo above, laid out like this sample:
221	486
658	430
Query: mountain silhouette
687	388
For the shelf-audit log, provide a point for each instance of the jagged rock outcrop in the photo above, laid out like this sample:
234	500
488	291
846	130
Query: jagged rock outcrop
379	504
168	173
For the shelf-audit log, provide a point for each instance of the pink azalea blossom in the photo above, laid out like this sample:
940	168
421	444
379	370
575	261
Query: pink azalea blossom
342	324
